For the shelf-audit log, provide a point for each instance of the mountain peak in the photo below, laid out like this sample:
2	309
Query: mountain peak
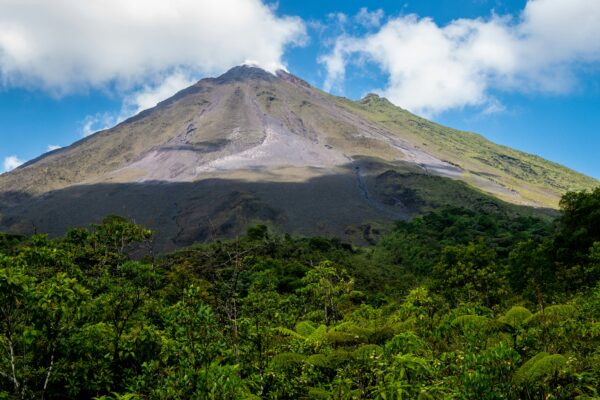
371	96
374	98
246	72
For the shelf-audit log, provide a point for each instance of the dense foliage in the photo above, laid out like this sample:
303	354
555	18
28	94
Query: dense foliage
455	304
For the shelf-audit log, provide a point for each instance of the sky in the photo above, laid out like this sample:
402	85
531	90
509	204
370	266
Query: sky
523	73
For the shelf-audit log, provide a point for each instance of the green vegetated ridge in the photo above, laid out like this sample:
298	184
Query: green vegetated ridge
536	179
403	183
455	304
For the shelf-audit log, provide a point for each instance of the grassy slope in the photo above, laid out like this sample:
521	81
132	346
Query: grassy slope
536	179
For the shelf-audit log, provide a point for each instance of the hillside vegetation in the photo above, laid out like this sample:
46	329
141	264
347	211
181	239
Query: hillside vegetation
455	304
536	179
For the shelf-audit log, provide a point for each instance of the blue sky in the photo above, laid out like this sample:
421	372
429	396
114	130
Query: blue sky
522	73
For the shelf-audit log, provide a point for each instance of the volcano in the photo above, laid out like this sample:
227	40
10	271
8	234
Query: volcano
255	147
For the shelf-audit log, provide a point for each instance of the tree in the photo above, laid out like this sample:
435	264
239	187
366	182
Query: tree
578	226
113	237
470	274
194	355
36	318
327	286
15	288
531	271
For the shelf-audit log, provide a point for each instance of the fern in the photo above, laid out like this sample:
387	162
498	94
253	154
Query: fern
523	372
516	316
367	351
288	333
306	332
284	361
470	322
332	360
318	336
316	393
338	357
352	328
405	343
318	360
539	367
337	338
305	328
560	311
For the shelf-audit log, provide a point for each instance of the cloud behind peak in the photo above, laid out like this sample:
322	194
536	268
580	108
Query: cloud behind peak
67	45
433	68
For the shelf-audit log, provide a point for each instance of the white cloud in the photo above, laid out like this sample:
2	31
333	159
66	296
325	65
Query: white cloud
434	68
146	97
11	162
369	19
338	17
97	122
67	45
150	95
52	147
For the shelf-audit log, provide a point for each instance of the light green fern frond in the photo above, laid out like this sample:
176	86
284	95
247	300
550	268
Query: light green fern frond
539	367
288	333
305	328
516	316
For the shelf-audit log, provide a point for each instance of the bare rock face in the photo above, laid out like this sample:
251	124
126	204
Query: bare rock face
251	146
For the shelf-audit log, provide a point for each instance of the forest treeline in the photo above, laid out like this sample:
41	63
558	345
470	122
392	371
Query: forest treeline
455	304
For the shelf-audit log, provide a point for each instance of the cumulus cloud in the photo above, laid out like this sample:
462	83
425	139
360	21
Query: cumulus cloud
433	68
11	162
66	45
